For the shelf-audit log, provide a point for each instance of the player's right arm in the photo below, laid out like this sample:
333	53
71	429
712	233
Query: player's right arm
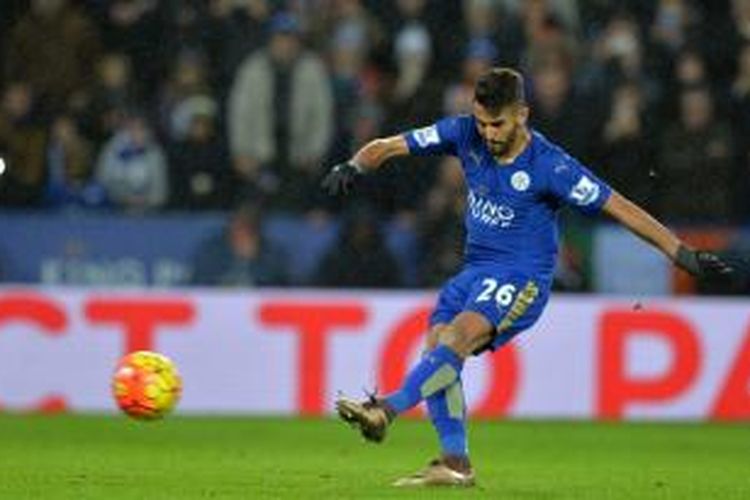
439	138
376	152
368	159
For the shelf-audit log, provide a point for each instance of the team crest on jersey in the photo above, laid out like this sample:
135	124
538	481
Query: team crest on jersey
426	136
520	181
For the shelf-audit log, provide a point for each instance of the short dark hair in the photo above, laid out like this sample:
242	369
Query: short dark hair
498	88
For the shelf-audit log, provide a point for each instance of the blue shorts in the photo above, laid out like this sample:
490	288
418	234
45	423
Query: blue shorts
510	300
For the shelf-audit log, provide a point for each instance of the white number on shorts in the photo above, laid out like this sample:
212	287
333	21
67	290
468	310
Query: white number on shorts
503	296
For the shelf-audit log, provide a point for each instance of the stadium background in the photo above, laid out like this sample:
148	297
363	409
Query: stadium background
144	115
160	190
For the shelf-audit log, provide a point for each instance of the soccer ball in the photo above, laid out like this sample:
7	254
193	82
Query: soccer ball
146	385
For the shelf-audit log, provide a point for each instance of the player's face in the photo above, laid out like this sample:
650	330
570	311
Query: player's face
499	130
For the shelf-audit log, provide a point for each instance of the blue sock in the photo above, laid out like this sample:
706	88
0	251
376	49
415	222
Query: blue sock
447	409
437	370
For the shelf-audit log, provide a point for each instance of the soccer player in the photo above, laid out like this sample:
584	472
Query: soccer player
517	181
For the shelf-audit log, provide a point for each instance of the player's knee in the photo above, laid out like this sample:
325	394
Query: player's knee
451	337
433	337
458	339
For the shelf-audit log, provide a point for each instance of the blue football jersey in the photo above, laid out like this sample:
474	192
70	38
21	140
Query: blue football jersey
512	209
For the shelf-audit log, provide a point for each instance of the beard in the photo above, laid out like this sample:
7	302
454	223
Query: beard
498	148
501	148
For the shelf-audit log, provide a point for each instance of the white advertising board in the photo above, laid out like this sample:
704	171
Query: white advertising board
290	352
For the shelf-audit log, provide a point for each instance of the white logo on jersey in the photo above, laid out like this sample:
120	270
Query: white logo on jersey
585	192
520	181
426	136
487	212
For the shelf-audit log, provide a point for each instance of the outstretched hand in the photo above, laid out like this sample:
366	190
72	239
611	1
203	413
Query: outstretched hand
702	264
340	179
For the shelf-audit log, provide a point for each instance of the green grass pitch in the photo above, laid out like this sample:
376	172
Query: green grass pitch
107	457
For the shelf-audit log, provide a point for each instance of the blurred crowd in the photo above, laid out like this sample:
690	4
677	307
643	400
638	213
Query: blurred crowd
147	105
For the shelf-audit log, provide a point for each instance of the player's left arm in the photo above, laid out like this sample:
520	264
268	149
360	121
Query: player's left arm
699	263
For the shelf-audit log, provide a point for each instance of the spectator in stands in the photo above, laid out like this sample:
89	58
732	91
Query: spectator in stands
618	55
360	257
739	34
414	96
413	53
568	11
359	108
480	54
350	18
69	165
740	99
135	27
673	24
54	47
690	70
740	113
22	141
240	256
186	25
188	78
199	164
740	14
132	167
112	95
546	36
357	111
281	118
11	14
626	155
238	29
696	156
487	20
347	53
558	107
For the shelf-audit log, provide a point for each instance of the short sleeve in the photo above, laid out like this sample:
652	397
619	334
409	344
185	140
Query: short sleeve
575	185
437	139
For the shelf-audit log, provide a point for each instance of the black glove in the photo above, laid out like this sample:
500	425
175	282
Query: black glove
341	178
702	264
